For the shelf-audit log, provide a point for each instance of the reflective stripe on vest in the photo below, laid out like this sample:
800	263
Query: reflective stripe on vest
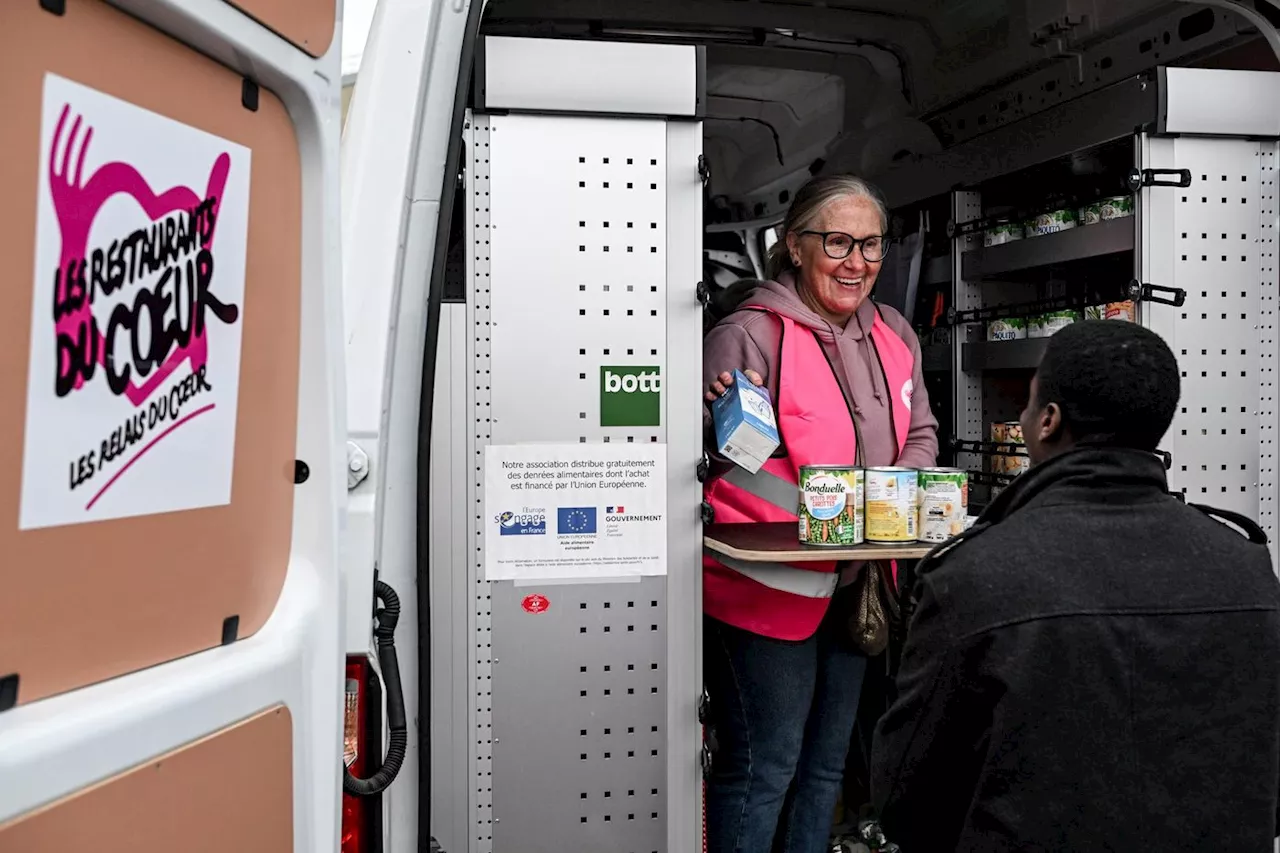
817	428
766	486
784	578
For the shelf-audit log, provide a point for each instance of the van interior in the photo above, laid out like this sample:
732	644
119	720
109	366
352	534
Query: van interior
879	87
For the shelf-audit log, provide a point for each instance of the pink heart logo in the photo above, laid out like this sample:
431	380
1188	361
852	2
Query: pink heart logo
82	348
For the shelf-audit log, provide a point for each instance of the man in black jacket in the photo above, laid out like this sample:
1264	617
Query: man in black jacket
1095	665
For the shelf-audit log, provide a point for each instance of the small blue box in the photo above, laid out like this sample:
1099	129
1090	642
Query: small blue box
746	429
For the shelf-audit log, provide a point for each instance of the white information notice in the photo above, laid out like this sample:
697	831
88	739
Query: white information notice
575	511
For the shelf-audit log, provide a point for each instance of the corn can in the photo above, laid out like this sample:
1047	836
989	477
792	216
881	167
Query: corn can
891	505
831	505
943	495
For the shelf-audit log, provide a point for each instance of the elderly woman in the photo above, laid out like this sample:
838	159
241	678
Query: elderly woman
781	667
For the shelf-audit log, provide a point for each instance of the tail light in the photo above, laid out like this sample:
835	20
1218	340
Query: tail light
361	749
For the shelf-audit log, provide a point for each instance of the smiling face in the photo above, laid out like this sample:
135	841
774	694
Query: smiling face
835	287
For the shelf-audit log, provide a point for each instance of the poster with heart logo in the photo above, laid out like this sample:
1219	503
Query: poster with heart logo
134	373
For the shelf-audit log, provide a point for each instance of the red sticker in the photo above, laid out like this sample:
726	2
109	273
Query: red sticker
535	604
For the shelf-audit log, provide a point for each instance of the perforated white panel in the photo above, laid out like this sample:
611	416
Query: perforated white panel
583	255
1268	283
480	628
1206	239
587	251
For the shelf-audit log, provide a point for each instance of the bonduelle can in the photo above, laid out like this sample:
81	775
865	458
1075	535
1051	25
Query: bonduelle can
943	498
831	505
891	505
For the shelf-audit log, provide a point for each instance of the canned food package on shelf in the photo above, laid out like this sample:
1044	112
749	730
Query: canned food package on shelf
1007	329
891	505
831	507
1051	222
943	495
1045	325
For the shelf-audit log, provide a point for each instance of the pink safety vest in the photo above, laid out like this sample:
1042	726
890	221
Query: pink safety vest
787	601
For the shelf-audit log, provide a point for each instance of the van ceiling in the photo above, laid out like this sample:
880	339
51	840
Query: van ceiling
852	85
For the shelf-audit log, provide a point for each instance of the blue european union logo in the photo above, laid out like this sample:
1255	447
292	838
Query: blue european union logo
576	519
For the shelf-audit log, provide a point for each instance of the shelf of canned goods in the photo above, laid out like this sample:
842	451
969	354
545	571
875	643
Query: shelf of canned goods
1148	227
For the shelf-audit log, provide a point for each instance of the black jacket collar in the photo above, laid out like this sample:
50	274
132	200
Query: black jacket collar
1083	475
1098	475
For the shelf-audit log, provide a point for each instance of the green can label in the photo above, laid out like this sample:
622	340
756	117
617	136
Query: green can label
943	496
1115	208
831	500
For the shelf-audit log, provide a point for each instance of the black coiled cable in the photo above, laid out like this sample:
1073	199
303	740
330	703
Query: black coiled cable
397	727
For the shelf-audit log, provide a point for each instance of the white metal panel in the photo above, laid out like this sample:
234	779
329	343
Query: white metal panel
479	612
560	75
1268	343
1206	240
586	238
579	251
451	588
1219	102
684	449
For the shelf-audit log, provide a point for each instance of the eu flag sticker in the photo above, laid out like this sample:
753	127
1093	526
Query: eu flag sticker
576	519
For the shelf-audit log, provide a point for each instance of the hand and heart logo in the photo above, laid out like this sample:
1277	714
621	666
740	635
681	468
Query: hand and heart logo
146	323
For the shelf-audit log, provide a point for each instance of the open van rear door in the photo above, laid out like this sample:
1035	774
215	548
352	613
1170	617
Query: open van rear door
171	417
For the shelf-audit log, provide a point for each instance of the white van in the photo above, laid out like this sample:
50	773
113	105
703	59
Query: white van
489	287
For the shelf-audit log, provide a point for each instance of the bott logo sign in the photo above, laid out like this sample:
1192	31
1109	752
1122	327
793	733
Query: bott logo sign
630	396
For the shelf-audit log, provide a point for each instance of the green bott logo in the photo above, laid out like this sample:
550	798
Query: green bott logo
630	396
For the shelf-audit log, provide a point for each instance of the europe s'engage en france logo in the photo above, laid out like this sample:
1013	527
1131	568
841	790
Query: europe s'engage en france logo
527	523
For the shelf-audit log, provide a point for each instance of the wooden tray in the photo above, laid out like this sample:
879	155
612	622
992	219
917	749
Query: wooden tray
771	542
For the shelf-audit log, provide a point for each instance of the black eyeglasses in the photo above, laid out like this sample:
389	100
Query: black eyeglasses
839	245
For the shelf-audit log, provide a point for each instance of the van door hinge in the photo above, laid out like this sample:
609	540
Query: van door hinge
704	170
703	294
704	467
357	465
1139	178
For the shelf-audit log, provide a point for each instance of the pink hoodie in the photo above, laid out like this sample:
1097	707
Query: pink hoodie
750	340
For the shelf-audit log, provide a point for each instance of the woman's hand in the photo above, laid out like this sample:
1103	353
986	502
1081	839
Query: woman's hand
724	380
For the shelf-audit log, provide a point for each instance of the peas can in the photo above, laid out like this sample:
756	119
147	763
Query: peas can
1002	232
1007	329
944	503
831	505
1051	222
1116	207
891	505
1046	325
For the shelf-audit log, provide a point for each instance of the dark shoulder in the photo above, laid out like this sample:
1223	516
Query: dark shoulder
1214	526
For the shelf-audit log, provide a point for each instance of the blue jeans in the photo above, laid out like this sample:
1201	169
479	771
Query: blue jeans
783	714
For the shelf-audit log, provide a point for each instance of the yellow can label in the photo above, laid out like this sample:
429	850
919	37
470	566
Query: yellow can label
891	506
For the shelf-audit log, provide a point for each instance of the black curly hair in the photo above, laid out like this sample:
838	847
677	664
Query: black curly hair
1116	383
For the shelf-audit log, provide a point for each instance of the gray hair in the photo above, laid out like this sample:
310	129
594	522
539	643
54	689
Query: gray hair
808	205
